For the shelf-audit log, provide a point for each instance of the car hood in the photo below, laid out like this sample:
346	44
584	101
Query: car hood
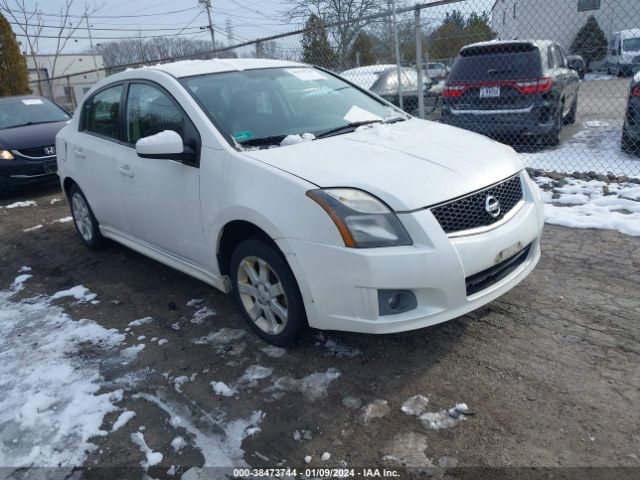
409	165
29	136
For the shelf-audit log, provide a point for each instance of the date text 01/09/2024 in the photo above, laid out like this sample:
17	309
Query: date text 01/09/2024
315	473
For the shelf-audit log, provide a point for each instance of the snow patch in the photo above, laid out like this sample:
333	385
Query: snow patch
32	229
295	139
178	444
151	458
122	420
415	405
140	322
79	292
273	351
445	418
221	388
220	442
221	337
201	315
407	449
376	409
63	220
50	402
131	353
28	203
313	387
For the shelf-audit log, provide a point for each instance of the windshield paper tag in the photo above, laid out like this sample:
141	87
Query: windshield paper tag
32	101
306	74
357	114
243	136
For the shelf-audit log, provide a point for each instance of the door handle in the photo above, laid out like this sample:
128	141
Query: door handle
80	153
126	171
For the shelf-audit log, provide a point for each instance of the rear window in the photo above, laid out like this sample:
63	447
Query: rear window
496	62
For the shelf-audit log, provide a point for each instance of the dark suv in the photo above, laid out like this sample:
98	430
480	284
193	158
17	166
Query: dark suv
631	127
28	128
512	89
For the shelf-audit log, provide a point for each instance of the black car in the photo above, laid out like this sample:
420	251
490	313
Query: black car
631	127
577	64
28	128
511	89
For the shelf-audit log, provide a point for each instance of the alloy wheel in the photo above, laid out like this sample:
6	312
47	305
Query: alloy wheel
82	216
262	295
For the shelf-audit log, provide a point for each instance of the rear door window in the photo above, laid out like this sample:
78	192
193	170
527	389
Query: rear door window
496	63
102	111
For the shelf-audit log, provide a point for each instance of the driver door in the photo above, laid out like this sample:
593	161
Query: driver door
161	197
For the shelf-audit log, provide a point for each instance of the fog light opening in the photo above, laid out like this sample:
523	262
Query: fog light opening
393	302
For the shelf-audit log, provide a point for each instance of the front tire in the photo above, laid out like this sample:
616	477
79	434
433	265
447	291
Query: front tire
267	293
84	220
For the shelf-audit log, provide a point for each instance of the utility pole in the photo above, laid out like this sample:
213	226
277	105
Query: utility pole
93	52
397	49
207	5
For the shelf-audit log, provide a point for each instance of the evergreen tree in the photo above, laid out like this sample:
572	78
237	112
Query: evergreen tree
455	32
14	79
362	51
590	42
316	49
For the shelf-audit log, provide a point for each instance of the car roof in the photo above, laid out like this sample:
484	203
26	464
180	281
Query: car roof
632	33
21	97
188	68
536	43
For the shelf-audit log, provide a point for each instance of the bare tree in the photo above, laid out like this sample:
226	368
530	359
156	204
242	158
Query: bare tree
30	22
347	14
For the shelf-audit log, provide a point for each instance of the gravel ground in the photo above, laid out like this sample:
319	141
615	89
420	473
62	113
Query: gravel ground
549	372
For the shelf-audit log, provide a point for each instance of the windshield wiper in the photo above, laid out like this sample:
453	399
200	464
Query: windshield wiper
35	123
349	127
263	141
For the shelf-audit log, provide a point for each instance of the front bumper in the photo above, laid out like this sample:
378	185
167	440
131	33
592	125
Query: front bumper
340	285
22	171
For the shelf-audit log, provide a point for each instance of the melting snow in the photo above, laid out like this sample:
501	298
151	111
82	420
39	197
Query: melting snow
140	322
201	315
585	204
63	220
407	449
131	353
313	387
222	336
50	402
376	409
415	405
28	203
221	388
220	442
79	292
151	458
178	444
32	229
445	418
273	351
122	420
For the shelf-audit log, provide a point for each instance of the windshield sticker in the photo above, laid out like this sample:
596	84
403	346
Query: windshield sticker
357	114
243	136
306	74
33	101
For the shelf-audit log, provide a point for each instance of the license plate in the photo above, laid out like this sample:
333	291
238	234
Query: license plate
509	252
489	92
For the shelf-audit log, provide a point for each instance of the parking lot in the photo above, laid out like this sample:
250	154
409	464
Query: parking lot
549	372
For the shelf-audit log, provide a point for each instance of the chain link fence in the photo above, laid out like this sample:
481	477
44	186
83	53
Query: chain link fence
552	78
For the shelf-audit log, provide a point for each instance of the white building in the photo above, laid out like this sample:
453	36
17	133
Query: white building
73	74
560	20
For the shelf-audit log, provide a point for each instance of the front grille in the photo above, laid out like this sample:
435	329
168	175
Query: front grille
36	152
483	280
469	212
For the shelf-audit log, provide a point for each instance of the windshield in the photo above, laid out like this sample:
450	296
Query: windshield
277	102
488	64
29	111
632	44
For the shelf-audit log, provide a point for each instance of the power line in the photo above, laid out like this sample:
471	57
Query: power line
57	15
110	38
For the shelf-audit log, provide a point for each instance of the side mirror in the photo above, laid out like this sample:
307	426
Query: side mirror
166	145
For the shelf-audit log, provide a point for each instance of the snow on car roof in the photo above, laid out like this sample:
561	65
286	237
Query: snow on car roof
537	43
186	68
365	77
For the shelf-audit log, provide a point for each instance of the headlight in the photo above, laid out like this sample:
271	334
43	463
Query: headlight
6	155
362	220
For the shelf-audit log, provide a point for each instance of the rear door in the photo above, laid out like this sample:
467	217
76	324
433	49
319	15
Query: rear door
92	152
162	197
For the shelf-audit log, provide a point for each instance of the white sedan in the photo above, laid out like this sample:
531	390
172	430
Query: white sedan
314	202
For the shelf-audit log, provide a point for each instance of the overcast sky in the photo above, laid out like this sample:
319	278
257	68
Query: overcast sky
250	19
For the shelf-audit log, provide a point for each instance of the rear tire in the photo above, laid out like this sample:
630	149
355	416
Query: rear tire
267	293
570	119
85	222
